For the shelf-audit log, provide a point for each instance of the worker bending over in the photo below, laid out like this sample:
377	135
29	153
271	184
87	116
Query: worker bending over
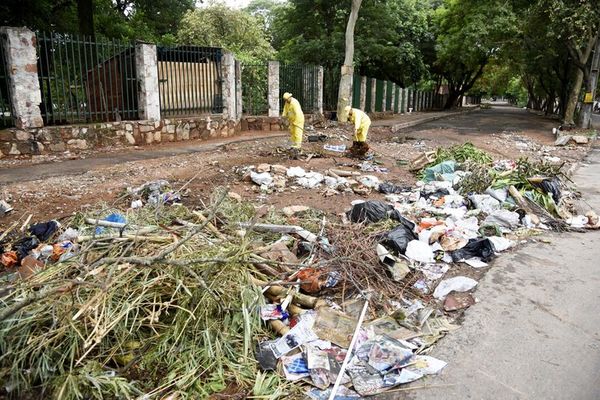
361	122
293	113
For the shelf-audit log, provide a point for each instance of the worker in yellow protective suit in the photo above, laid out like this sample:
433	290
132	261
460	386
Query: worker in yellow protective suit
361	122
293	113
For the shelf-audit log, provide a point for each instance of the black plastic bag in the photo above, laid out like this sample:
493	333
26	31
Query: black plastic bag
43	230
437	194
481	248
552	186
397	239
370	211
24	246
390	188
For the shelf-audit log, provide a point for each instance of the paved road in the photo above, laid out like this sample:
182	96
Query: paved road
494	120
535	334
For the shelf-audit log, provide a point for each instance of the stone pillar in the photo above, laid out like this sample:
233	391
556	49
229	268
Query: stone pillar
238	91
23	84
393	105
229	90
273	91
363	92
384	95
400	100
319	107
147	72
373	94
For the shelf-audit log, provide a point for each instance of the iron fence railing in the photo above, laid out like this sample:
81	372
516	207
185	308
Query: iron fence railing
6	117
190	80
331	87
255	88
84	80
302	81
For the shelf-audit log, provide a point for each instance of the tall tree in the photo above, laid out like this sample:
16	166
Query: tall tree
347	70
85	14
576	23
220	26
470	32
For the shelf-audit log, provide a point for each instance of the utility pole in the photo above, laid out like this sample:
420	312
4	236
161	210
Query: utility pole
590	88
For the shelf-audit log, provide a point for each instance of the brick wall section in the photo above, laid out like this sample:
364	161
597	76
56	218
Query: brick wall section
54	139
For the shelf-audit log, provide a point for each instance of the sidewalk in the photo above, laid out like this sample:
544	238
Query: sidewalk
536	332
28	172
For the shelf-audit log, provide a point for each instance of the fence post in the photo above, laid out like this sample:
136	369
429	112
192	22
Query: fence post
273	91
363	92
229	92
147	73
22	75
384	97
239	104
393	105
320	73
373	94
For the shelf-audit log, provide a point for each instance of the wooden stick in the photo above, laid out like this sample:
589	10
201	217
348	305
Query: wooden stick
350	349
306	235
6	232
209	225
343	173
26	223
99	222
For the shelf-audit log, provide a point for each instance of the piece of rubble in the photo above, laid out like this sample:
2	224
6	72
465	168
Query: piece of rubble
563	140
580	139
234	196
292	210
458	301
263	168
278	169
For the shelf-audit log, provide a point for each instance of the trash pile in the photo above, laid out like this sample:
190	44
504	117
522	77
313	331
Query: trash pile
156	299
334	181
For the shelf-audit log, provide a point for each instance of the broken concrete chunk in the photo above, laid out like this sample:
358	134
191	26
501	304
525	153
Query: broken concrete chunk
580	139
292	210
563	140
278	169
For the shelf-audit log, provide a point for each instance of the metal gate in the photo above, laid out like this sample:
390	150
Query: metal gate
6	117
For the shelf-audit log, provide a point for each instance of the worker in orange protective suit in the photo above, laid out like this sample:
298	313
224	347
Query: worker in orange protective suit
361	122
294	115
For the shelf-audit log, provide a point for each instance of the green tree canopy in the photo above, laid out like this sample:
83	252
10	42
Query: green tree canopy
220	26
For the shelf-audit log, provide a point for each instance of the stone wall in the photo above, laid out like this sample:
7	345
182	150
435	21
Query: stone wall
54	139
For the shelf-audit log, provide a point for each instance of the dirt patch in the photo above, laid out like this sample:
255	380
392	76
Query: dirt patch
504	134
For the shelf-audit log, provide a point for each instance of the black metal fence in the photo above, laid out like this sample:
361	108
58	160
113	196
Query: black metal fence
82	80
302	81
255	88
331	87
190	80
6	117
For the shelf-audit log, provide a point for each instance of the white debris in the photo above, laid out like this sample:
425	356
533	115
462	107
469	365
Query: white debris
419	251
456	284
261	179
295	172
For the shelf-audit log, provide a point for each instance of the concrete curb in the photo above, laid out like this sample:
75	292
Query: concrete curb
404	125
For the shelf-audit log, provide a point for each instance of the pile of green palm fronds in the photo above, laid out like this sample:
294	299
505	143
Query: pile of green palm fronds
165	308
462	153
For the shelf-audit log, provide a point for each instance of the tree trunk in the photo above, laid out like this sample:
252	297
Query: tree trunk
345	90
580	59
85	14
590	87
452	100
573	97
